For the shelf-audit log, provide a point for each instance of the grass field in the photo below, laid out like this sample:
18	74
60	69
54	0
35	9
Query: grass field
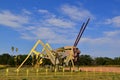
43	74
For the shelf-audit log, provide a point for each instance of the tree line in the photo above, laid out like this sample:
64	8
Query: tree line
84	60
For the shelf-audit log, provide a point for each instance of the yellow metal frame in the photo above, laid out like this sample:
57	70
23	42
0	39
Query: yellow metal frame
49	52
33	51
46	48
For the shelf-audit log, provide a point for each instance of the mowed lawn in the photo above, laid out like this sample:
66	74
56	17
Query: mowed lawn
46	74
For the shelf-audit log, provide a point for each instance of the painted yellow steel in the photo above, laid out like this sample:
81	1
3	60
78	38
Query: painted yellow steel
46	48
32	50
50	54
70	55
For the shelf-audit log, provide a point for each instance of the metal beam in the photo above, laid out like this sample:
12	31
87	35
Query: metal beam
81	32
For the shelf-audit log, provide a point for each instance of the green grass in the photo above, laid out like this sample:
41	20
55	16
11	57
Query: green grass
31	74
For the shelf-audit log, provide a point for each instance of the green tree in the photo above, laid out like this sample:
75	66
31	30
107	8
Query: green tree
11	61
100	61
85	60
16	57
12	49
16	49
4	58
103	61
117	61
109	61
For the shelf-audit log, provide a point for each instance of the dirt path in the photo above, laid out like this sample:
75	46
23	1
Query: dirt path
101	69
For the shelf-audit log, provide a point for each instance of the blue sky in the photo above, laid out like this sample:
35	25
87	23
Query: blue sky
23	22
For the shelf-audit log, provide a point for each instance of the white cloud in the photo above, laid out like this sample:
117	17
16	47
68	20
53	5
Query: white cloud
46	14
59	30
44	33
27	36
96	41
110	37
49	34
112	33
29	28
43	11
26	12
54	29
115	21
50	28
60	23
101	46
12	20
76	13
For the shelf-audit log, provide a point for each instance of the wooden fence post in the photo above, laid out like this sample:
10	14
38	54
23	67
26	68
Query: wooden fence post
17	72
63	71
46	71
27	71
7	71
37	72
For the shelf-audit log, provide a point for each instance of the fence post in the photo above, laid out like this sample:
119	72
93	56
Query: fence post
7	71
55	71
63	71
86	72
37	72
71	71
27	71
46	71
17	72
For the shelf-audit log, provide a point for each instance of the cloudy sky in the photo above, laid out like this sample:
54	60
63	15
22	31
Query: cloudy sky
23	22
